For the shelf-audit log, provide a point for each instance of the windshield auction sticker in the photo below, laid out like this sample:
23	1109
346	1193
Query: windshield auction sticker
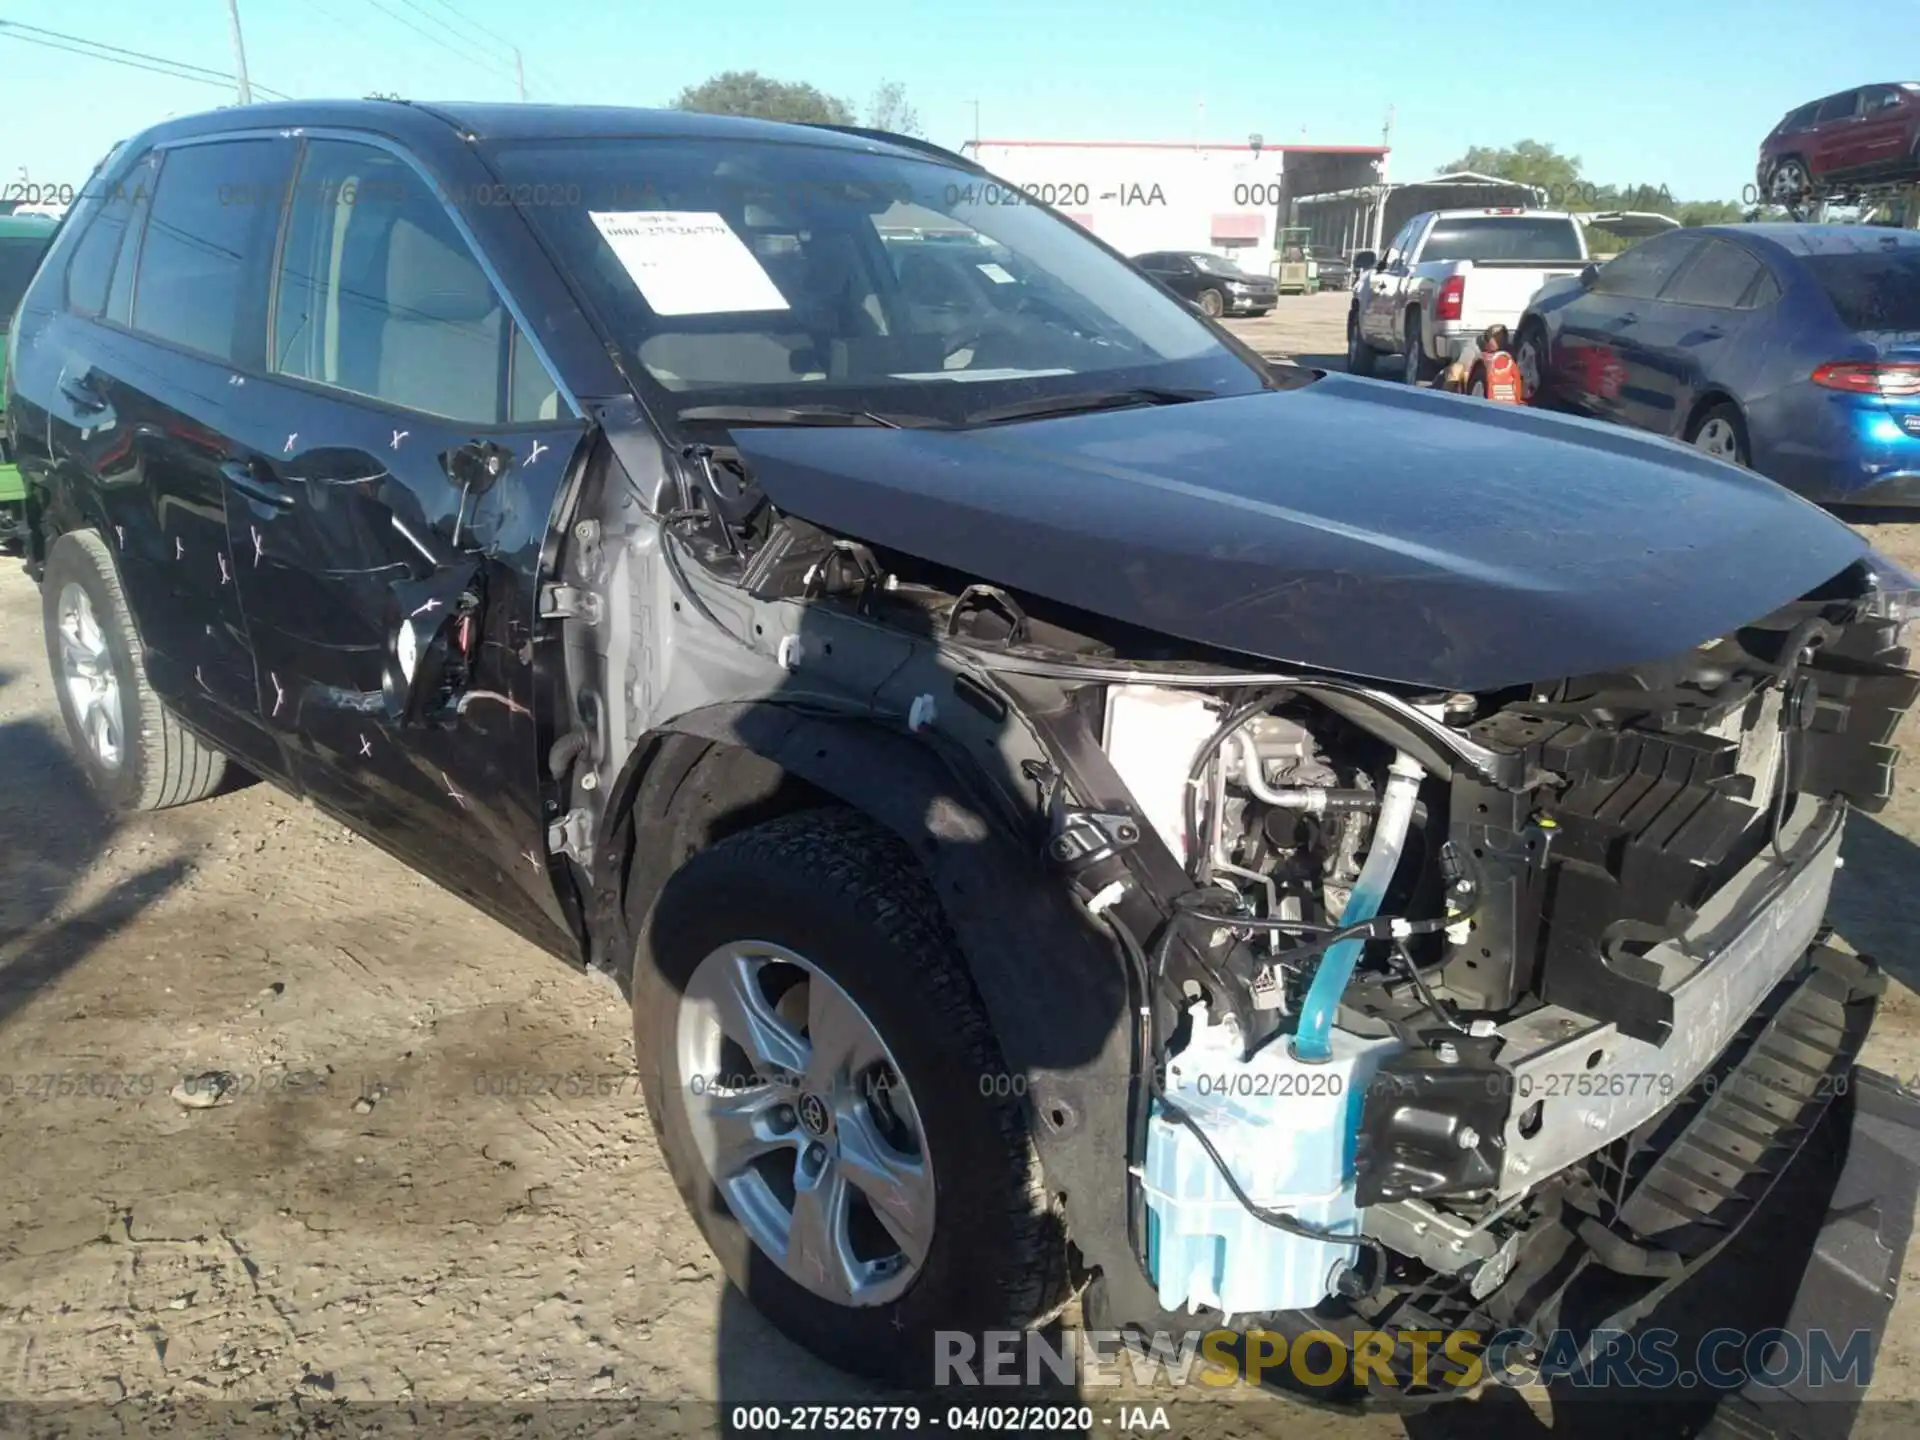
687	262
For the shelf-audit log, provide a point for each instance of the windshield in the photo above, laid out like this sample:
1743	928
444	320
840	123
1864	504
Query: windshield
19	258
1503	237
781	274
1873	290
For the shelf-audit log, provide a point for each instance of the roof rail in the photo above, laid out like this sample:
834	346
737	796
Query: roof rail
906	142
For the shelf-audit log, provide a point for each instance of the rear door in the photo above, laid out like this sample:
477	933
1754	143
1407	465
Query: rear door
1690	335
1181	275
392	365
161	286
1600	332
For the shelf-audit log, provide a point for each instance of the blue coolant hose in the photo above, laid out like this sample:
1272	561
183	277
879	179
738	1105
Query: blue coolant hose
1313	1039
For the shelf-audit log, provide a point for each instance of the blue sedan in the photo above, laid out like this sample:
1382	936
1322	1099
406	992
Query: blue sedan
1793	349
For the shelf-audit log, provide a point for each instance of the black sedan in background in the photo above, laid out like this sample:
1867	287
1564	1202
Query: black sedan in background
1212	282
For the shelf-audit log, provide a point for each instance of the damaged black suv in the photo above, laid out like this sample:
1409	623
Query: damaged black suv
1069	802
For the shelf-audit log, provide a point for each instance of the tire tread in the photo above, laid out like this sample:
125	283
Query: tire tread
873	869
175	767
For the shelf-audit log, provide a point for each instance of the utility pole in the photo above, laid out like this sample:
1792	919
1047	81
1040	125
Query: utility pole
1380	209
976	129
239	53
520	74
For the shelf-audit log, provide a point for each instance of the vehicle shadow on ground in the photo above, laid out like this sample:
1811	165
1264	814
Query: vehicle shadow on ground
1874	908
55	830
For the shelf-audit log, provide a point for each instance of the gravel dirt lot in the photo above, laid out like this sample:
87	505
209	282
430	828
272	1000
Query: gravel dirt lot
399	1204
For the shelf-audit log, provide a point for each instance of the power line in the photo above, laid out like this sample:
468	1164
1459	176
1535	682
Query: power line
454	40
495	36
398	18
490	34
111	54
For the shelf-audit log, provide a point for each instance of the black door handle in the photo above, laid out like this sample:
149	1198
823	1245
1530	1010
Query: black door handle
81	392
244	478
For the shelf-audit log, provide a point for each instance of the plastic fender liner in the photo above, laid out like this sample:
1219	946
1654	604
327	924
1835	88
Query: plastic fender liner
1053	984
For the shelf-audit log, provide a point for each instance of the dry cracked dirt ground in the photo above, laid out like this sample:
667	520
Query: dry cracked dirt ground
398	1206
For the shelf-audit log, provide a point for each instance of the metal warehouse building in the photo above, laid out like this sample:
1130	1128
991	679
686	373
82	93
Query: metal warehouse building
1141	195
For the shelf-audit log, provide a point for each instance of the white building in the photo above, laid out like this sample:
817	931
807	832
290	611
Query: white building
1160	195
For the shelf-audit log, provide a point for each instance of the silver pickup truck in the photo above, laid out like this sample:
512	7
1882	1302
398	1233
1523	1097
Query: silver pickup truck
1449	274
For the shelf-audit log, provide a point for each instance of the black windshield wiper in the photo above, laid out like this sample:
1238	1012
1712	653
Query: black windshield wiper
803	415
1089	400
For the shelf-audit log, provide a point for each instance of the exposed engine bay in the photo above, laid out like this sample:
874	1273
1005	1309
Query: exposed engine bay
1441	996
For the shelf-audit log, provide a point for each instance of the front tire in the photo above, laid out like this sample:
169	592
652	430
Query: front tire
136	754
826	1090
1212	303
1789	184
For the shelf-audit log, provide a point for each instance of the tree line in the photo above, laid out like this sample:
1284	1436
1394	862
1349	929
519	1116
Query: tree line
749	93
1535	162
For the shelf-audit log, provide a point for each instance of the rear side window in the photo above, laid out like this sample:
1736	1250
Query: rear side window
1880	97
194	253
1872	289
1718	277
91	268
379	294
1639	273
1503	237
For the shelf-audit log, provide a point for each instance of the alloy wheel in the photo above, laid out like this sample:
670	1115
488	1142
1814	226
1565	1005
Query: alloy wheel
87	672
1788	182
805	1123
1719	439
1527	362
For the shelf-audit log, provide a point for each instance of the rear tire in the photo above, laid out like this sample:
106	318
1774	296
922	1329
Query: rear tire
1721	433
1417	367
1360	355
836	892
1530	356
136	754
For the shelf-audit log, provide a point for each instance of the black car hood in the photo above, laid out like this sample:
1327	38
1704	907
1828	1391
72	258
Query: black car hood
1347	525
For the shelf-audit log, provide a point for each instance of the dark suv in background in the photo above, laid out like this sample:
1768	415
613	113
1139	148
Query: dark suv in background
1870	135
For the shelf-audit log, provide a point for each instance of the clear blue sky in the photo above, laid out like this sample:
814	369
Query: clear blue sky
1674	92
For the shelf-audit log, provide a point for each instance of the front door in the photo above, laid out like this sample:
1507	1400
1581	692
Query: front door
1835	134
1886	119
393	367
